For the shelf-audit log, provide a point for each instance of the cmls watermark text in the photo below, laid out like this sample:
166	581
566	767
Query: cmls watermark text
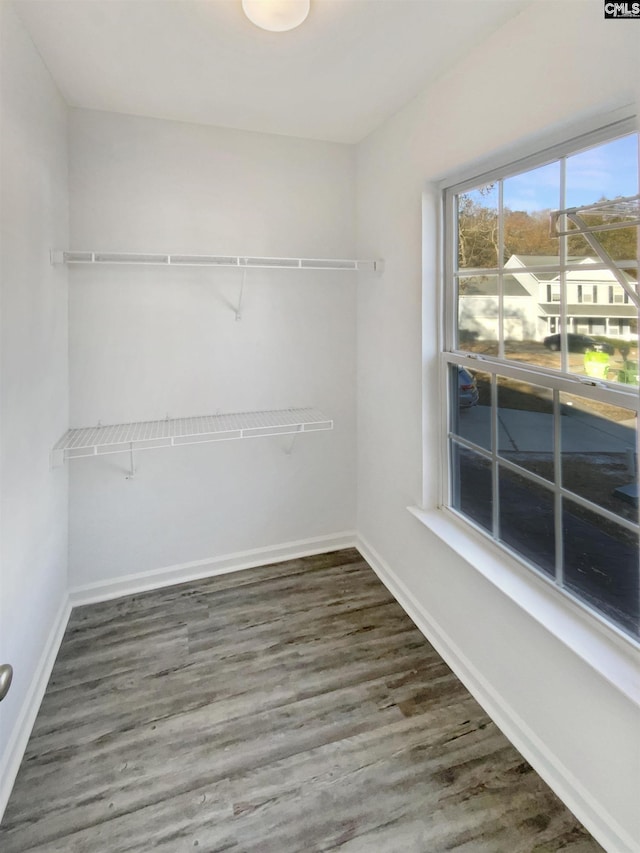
621	10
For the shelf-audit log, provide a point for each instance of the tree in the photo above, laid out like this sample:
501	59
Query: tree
528	233
477	234
621	244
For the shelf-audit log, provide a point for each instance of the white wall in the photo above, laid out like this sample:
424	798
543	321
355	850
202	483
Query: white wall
554	63
145	343
34	395
149	342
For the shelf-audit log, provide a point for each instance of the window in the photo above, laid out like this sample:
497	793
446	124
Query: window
542	457
587	293
618	296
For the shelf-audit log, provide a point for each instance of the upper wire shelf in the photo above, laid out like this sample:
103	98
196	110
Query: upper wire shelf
173	432
614	214
591	220
242	261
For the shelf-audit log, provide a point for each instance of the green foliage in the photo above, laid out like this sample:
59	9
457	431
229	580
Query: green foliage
621	244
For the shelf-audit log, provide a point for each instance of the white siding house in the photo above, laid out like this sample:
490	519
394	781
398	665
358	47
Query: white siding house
596	303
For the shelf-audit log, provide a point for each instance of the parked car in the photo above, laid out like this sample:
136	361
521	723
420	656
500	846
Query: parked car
578	343
467	388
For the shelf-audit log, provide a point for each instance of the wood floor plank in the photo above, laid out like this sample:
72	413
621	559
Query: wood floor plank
287	708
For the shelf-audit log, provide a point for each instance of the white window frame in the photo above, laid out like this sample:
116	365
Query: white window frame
609	650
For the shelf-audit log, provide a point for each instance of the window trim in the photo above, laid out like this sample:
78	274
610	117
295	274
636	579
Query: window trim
598	641
612	653
551	145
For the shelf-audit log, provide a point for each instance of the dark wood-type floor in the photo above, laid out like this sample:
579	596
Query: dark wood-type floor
292	708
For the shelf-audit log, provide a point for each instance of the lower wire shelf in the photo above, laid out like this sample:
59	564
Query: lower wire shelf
173	432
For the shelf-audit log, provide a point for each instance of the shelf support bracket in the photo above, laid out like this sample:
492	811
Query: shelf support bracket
241	295
288	450
132	463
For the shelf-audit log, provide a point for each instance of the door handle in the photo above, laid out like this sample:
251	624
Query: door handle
6	674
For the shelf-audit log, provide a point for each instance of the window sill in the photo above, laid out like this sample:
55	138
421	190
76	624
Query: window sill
610	653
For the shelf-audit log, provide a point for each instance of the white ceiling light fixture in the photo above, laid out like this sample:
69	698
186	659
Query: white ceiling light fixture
276	15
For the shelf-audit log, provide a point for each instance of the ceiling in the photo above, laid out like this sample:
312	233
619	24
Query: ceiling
351	64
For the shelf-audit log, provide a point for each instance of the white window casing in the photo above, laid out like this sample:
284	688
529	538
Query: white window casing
563	381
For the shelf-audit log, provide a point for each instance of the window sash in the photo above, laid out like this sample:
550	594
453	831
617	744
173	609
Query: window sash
558	381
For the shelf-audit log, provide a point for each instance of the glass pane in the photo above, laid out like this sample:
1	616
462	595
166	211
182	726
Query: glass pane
470	414
477	214
590	352
525	324
601	565
528	323
527	520
621	243
478	314
525	425
606	171
471	486
620	330
579	250
528	199
599	454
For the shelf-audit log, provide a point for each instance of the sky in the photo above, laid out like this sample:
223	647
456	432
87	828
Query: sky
608	170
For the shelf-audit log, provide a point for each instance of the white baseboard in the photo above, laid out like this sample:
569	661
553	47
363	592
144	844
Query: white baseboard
601	825
184	572
18	739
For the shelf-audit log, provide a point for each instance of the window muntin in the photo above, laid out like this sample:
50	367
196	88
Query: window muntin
534	317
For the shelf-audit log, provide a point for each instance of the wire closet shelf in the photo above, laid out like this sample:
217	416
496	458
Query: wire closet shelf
610	215
173	432
203	260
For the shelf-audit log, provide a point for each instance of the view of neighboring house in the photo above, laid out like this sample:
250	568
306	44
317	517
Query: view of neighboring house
596	303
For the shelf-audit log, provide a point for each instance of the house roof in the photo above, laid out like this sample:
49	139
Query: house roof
536	261
488	286
589	275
